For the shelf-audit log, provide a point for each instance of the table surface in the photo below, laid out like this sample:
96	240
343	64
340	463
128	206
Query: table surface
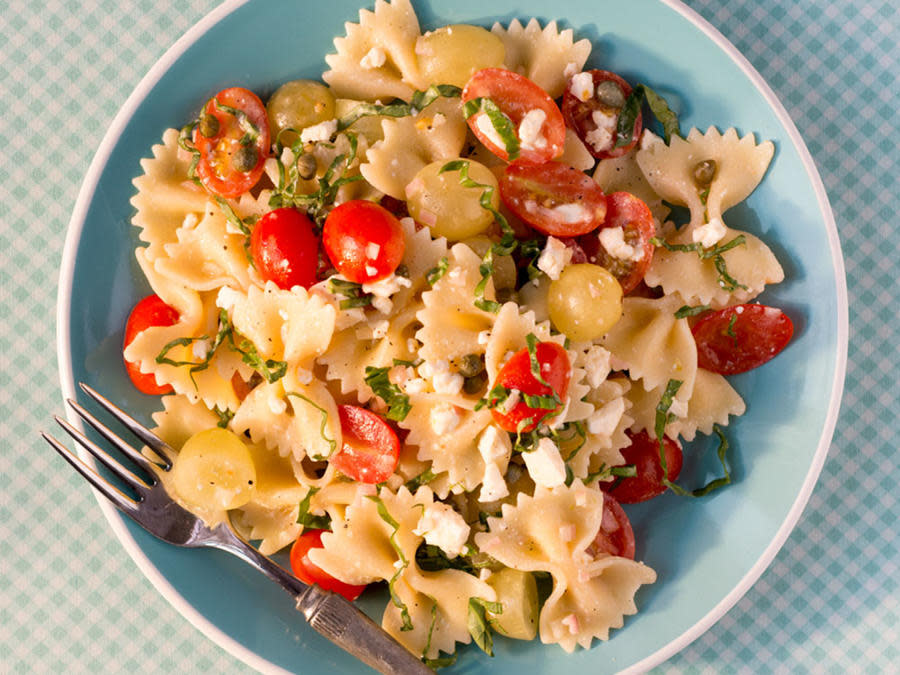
72	601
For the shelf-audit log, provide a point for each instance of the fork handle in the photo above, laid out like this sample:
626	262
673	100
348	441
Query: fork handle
341	622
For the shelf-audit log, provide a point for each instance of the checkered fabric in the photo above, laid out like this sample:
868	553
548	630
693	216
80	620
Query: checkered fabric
72	601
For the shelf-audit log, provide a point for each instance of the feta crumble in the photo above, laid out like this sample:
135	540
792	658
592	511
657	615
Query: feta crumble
444	418
372	250
493	486
374	58
709	234
545	465
602	137
491	445
554	258
582	86
484	125
530	137
443	527
227	297
605	419
318	132
613	240
596	365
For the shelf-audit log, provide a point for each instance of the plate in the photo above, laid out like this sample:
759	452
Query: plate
707	552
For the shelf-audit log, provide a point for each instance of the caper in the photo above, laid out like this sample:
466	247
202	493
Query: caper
245	158
471	365
307	166
209	125
474	385
507	295
704	172
611	94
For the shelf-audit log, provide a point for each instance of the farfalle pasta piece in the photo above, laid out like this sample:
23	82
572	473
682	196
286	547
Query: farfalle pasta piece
451	323
751	264
369	545
197	318
551	532
165	194
544	55
604	429
274	528
421	255
653	345
436	133
452	447
207	253
712	402
293	326
377	57
740	164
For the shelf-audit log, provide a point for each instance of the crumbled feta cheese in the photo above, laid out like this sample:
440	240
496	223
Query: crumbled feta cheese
571	622
318	132
596	365
613	240
571	213
484	125
555	256
493	486
385	288
227	297
277	405
678	408
201	348
304	376
491	445
602	137
372	250
545	465
349	317
415	385
530	137
582	86
709	234
443	527
444	418
605	419
484	337
374	58
484	574
380	329
371	271
383	305
190	221
287	156
448	383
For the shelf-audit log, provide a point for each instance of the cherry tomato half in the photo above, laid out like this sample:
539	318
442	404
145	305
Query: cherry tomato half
233	147
285	248
364	241
149	312
607	99
644	454
310	573
553	198
630	213
371	449
737	339
615	536
556	370
516	96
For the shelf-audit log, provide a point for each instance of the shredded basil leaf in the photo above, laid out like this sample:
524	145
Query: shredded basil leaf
395	598
440	661
397	402
408	364
726	281
686	310
417	103
658	106
307	520
251	131
730	330
479	625
423	478
225	416
332	444
435	273
499	120
352	292
432	559
531	342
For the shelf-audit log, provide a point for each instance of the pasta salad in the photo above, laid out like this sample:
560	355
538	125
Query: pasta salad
431	322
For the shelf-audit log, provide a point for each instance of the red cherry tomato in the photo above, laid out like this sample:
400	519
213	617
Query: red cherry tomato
516	375
309	573
579	115
553	198
644	454
227	166
624	210
615	536
363	240
516	96
737	339
149	312
371	449
285	248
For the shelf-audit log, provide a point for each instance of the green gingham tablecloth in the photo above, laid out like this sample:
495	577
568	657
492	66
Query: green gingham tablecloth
70	598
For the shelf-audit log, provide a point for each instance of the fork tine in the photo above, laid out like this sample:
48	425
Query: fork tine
101	455
141	460
159	446
129	506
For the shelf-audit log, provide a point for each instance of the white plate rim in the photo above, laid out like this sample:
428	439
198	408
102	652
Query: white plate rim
248	656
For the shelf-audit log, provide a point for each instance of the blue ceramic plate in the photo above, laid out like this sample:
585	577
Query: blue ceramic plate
707	552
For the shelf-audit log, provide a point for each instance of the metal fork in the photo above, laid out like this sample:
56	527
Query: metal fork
337	619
